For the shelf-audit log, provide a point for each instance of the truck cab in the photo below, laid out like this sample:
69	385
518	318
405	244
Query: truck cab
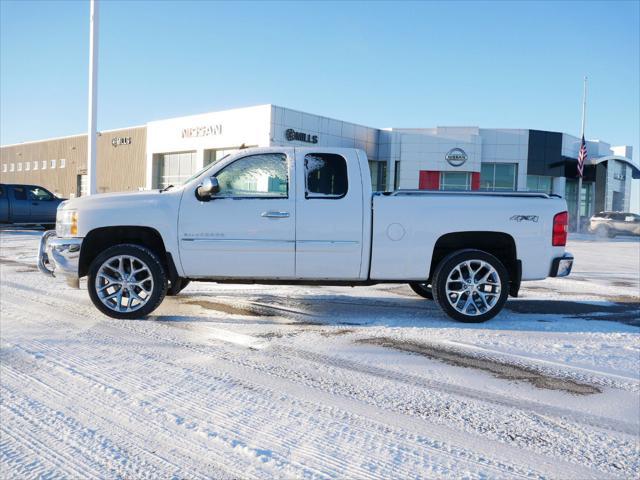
289	214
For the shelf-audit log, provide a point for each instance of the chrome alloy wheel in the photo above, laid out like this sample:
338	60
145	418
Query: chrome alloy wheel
124	283
473	287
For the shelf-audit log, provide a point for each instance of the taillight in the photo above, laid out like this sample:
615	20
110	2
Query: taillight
560	223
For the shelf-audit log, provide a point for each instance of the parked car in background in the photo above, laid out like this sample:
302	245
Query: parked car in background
28	204
610	224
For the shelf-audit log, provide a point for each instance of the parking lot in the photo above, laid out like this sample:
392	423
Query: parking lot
235	381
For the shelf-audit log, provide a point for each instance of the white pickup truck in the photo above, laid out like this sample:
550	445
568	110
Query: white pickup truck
305	216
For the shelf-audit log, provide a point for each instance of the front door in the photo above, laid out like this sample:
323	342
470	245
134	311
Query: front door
20	204
248	229
43	205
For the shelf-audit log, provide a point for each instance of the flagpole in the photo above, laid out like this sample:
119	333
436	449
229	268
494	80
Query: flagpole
584	111
93	97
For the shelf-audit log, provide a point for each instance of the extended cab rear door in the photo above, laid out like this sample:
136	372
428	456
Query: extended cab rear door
329	214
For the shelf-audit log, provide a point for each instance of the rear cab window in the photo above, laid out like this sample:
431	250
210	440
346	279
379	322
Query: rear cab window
325	176
19	193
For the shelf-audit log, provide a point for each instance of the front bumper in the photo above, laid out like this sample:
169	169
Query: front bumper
561	266
60	257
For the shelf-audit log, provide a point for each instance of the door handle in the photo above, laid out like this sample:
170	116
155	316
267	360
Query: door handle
275	214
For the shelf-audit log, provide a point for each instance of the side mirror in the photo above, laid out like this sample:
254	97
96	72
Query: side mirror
207	189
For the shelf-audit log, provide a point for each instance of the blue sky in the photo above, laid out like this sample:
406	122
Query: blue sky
415	64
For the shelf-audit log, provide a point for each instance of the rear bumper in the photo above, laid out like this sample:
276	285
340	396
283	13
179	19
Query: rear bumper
561	266
60	257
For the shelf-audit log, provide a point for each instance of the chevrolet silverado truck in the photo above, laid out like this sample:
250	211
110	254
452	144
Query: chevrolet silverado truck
305	216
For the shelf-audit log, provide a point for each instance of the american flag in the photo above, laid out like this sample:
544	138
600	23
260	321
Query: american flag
582	156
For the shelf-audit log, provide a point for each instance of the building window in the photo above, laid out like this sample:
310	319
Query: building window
35	165
326	175
82	185
63	162
173	168
455	181
44	164
539	183
217	154
12	167
4	167
53	163
19	166
262	175
27	166
499	176
378	175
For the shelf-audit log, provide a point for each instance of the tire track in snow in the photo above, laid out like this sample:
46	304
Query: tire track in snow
207	351
488	397
121	446
121	398
454	459
339	471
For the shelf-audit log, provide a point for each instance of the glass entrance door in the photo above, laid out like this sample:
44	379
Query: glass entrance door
173	168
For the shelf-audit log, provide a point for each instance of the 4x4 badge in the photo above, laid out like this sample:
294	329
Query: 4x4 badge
525	218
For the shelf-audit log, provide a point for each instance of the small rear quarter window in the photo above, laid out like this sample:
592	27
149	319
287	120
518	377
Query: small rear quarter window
326	175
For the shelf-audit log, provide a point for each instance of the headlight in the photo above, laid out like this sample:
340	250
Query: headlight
67	223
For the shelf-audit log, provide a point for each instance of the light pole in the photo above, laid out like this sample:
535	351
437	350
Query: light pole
93	97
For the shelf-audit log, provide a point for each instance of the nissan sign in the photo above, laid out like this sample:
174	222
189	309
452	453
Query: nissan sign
456	157
202	131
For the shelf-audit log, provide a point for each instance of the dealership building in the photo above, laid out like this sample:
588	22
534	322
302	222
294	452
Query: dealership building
166	152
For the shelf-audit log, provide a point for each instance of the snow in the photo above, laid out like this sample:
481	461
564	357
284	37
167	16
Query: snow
228	381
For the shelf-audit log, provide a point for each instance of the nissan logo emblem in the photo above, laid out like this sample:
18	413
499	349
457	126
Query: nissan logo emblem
456	157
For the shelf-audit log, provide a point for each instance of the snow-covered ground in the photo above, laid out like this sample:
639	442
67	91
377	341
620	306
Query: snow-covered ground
229	381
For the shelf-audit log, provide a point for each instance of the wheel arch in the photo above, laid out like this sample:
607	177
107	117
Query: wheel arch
99	239
499	244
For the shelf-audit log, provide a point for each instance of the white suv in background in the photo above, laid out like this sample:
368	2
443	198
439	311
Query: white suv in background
610	224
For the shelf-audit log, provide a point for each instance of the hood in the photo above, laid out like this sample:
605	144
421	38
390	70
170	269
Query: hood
115	200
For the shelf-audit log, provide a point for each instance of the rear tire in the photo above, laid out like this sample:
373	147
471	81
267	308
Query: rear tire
471	286
603	231
127	281
423	289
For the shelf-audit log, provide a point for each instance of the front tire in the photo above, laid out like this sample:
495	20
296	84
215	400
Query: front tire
425	290
127	281
471	286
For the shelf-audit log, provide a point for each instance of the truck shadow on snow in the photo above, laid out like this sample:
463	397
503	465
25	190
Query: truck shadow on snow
348	310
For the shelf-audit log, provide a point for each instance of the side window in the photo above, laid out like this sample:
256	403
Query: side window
1	192
325	175
19	193
263	175
37	193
